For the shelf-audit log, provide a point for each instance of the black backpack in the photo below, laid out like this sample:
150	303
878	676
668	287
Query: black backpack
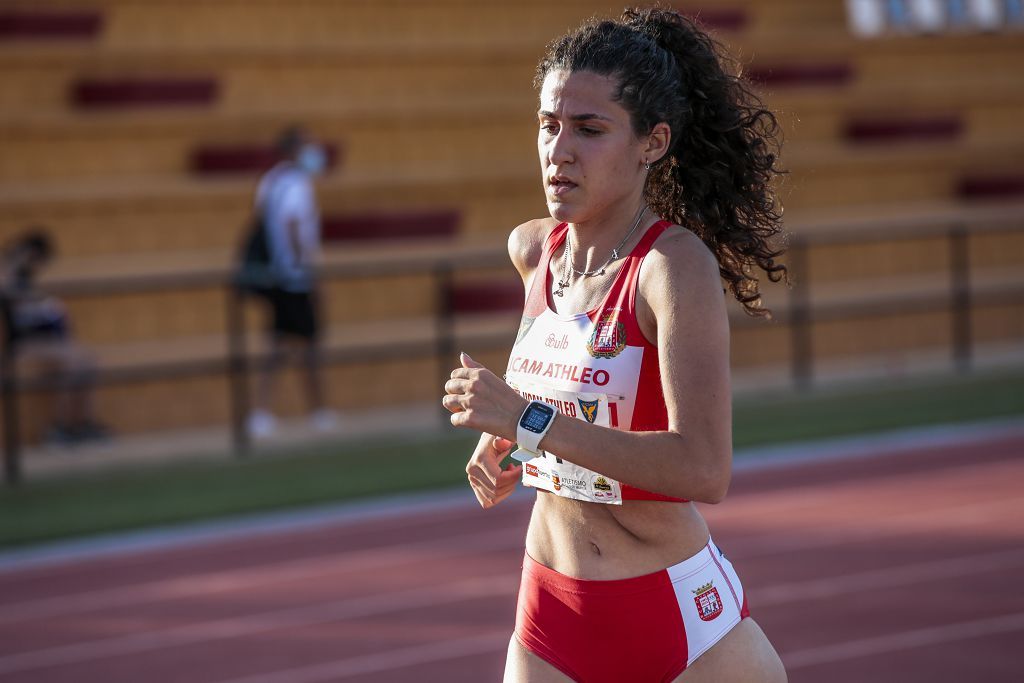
254	274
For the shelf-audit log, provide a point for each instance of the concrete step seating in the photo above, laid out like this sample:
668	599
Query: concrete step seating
409	91
179	294
140	213
220	159
364	23
356	350
93	94
41	78
49	24
54	148
987	186
44	77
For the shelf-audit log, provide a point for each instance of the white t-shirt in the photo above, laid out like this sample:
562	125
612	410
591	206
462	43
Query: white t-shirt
286	194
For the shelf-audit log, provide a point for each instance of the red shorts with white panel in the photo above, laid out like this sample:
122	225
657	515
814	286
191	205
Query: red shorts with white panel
645	628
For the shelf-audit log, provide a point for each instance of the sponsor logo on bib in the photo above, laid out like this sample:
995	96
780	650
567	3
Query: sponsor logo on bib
602	490
708	601
608	338
589	409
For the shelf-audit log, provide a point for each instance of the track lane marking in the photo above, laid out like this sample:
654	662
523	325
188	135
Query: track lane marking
275	620
400	658
889	577
890	487
919	521
252	577
486	586
213	582
903	640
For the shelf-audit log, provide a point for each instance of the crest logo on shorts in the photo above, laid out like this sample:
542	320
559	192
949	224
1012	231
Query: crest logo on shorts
709	602
589	409
608	338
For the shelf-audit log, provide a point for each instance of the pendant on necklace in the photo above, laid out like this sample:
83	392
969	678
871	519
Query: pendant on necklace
561	288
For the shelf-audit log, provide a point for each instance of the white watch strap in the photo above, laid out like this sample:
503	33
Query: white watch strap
529	440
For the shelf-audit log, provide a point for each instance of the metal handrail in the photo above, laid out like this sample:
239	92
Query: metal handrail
800	318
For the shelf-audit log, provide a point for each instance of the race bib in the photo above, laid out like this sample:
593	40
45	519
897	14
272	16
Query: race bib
549	472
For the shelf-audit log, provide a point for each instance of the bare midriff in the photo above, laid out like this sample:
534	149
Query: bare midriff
606	542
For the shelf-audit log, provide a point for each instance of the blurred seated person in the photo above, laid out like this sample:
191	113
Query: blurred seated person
38	332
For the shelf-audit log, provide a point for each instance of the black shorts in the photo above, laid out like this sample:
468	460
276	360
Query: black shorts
293	313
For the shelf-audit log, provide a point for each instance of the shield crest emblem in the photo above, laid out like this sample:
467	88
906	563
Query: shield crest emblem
708	601
608	338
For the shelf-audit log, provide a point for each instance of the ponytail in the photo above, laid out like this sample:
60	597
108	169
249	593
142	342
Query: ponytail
716	179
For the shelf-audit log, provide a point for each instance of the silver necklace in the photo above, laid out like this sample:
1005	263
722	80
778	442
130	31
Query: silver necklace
568	268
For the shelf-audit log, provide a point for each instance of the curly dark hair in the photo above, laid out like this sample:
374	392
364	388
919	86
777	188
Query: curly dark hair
716	179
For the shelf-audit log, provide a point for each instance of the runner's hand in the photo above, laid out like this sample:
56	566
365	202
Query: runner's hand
479	399
490	483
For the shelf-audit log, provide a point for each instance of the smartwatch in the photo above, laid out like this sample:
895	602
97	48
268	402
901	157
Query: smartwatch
533	425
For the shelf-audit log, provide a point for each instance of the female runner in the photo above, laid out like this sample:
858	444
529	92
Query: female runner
656	164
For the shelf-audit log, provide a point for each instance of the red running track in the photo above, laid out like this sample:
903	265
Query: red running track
880	568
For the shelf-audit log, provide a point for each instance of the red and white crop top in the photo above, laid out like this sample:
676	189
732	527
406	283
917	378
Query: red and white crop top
595	366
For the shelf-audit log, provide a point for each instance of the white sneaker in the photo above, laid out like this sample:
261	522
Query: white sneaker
325	420
261	424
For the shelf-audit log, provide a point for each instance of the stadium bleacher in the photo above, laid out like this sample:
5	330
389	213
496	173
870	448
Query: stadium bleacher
135	132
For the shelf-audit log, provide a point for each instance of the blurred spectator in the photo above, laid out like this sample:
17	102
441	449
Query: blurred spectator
870	18
291	221
38	332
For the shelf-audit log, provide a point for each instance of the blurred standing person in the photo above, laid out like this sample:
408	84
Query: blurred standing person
39	332
656	162
291	218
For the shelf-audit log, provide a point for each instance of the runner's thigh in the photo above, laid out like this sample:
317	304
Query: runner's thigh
522	666
744	655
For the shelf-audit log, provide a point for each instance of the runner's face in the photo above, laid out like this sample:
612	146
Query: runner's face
589	157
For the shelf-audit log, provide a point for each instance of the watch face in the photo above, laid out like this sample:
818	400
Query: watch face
536	417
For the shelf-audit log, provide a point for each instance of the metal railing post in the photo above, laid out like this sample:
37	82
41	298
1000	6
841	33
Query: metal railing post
960	297
445	326
238	370
801	338
12	436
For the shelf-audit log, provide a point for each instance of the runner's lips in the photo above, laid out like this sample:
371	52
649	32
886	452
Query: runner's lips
560	184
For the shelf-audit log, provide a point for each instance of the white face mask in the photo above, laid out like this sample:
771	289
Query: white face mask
312	159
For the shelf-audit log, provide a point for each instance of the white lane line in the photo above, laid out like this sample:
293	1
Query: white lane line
399	658
342	517
468	589
772	542
415	598
210	583
276	620
788	592
890	577
891	487
904	640
895	443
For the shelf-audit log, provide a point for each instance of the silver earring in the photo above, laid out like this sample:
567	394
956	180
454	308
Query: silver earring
647	167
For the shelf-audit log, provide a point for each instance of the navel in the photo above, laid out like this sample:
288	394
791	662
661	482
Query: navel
595	548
